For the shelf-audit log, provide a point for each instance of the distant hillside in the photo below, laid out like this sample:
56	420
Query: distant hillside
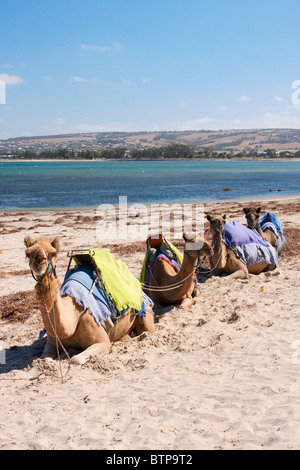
228	141
235	141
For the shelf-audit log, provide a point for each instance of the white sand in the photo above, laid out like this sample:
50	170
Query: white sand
222	375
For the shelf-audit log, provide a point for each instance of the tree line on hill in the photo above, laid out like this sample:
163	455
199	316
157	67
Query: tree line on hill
170	152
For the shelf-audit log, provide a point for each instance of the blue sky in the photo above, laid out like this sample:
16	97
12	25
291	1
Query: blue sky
131	65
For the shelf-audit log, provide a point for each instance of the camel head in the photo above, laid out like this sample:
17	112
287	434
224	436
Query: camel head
41	253
194	243
252	216
216	223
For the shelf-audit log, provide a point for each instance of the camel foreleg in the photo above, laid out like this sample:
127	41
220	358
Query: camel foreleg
240	274
93	350
146	323
50	351
186	303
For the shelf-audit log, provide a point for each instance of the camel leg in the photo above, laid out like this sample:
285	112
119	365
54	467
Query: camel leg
240	274
146	323
195	292
186	303
50	351
93	350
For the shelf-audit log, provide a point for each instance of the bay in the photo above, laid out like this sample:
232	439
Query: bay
77	184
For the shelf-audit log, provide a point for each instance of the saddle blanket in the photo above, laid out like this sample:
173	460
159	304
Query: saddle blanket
159	255
176	264
248	245
78	283
270	220
118	281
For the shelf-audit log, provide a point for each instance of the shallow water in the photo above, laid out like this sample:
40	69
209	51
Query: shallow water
68	184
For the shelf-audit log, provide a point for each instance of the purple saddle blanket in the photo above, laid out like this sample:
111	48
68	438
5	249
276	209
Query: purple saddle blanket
237	234
248	245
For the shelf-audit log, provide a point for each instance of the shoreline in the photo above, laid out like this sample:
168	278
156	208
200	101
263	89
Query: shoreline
246	199
56	160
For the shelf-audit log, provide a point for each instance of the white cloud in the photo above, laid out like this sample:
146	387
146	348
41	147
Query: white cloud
98	81
146	79
222	108
265	121
47	78
11	79
79	79
278	99
126	82
115	47
244	98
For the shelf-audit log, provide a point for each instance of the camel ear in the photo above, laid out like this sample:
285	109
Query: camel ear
246	210
208	217
56	244
188	237
258	210
28	241
224	217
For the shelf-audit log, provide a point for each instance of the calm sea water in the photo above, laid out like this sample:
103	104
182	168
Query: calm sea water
27	185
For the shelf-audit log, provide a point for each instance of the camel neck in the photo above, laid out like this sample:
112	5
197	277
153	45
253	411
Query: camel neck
217	241
259	230
53	310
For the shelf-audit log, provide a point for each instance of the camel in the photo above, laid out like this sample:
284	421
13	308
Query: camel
63	317
224	259
252	216
165	276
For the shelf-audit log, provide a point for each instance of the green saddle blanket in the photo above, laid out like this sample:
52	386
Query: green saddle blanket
119	283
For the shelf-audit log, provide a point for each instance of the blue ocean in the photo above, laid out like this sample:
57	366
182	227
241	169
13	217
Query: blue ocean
71	184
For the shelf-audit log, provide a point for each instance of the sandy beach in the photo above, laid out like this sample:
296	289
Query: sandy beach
223	374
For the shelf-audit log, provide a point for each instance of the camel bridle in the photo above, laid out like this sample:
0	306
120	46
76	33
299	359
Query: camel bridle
51	269
199	259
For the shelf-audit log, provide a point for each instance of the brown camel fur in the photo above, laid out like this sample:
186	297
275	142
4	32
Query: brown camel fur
224	259
164	275
64	314
252	217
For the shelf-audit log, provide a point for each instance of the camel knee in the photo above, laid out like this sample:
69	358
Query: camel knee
240	274
50	352
93	350
195	292
186	303
145	323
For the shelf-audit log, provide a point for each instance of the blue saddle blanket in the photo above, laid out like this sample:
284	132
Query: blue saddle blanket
271	221
248	245
78	283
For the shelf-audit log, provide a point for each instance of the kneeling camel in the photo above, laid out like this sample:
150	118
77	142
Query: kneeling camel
252	216
168	287
224	260
62	316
